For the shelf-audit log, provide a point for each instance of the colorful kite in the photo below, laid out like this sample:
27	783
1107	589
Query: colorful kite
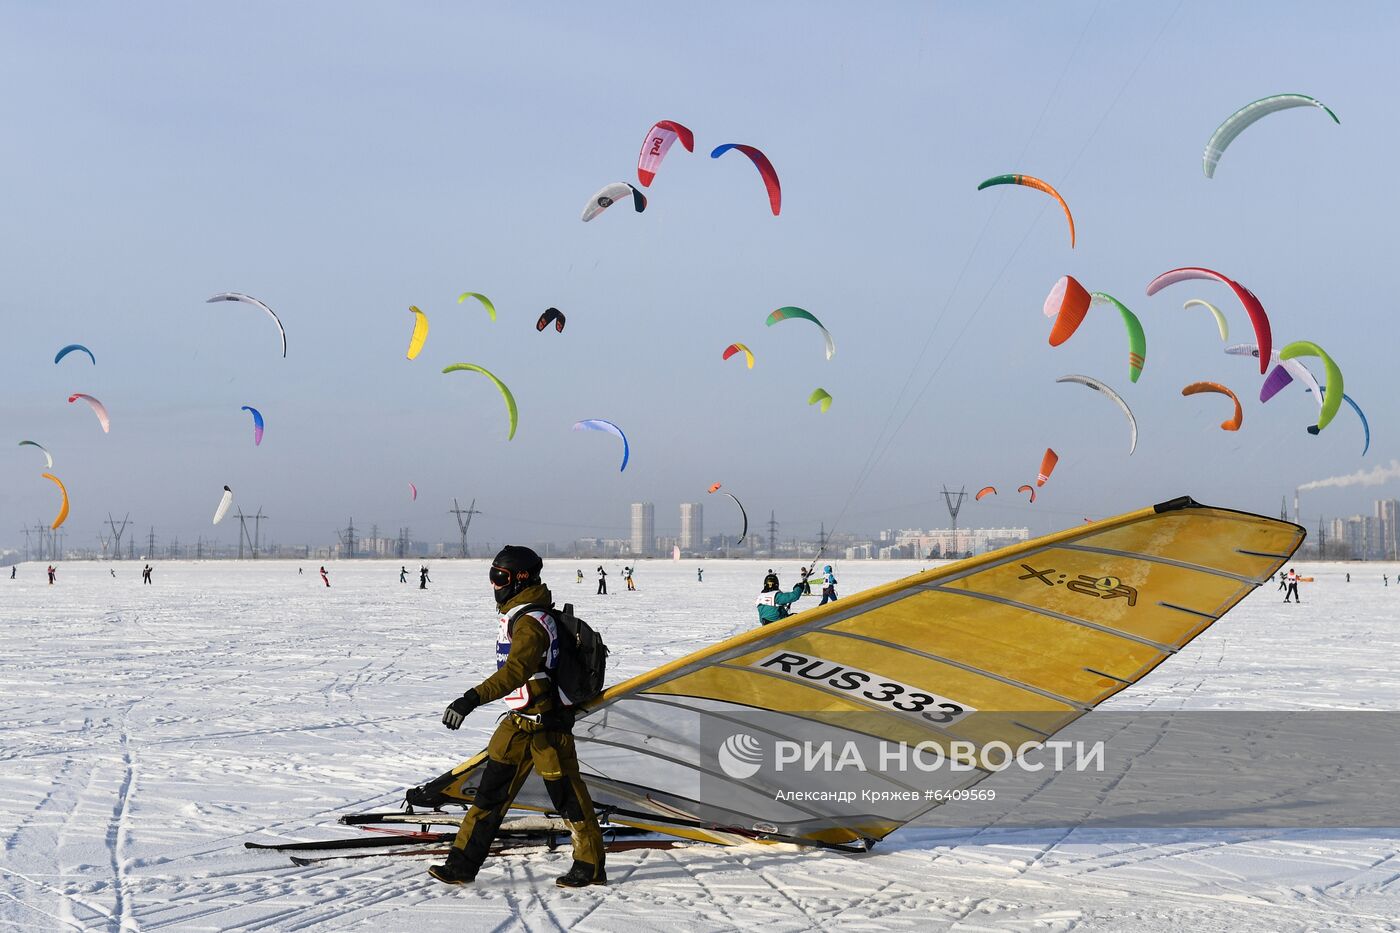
658	142
735	348
1263	335
607	427
1047	466
257	424
485	302
512	412
1241	119
790	313
98	409
1032	182
420	332
62	515
608	195
1098	386
70	348
551	314
249	299
765	171
1231	424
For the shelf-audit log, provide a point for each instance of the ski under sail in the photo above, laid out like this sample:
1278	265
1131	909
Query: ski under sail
1008	647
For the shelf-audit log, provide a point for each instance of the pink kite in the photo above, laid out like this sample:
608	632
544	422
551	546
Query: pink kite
1263	335
657	144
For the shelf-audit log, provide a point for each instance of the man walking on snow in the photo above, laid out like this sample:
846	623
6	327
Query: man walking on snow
537	732
828	586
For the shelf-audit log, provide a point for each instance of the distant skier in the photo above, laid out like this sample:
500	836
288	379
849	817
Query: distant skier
627	576
1291	580
535	735
806	581
773	602
53	571
828	586
423	580
403	574
325	577
699	574
602	581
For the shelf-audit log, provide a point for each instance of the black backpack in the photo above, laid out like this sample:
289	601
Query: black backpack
583	658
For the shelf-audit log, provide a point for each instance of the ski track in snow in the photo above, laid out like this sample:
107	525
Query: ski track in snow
148	731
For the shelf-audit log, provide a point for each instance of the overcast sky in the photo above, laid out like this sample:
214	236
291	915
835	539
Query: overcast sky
342	161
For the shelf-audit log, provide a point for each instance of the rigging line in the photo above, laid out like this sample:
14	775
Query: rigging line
876	450
874	460
971	254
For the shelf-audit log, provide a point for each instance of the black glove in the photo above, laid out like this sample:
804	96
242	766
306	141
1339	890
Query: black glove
459	709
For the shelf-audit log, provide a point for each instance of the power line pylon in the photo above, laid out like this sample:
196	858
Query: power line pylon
257	531
347	540
462	526
117	534
954	507
772	535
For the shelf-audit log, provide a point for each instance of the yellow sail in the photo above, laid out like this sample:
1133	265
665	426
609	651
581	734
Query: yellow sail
1008	647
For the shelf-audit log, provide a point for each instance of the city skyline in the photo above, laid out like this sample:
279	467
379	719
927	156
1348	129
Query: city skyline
1374	537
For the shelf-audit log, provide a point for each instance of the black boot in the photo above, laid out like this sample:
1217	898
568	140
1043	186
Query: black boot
582	875
456	870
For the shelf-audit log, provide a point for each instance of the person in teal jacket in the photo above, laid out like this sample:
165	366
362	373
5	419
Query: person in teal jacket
773	602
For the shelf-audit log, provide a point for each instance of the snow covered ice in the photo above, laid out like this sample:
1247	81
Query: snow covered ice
149	731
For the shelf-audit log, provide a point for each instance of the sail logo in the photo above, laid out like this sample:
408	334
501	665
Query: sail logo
1083	584
740	756
863	686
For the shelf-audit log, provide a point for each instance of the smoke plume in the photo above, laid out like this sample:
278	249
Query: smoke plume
1372	477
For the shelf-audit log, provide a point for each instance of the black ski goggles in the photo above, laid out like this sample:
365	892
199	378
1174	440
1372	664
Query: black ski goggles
500	576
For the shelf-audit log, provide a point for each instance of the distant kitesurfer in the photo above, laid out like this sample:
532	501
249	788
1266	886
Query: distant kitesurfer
536	733
699	574
1291	580
627	575
828	586
146	574
580	575
423	580
773	602
53	571
403	574
806	584
325	578
602	581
